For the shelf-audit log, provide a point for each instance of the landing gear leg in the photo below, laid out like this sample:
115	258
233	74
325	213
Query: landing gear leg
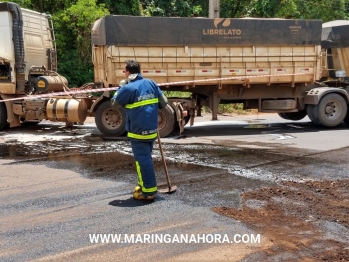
214	101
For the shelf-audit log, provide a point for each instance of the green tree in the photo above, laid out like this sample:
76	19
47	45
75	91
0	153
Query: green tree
274	8
123	7
44	6
175	8
73	33
326	10
234	8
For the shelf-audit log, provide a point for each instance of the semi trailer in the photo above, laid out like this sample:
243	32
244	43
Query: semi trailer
290	67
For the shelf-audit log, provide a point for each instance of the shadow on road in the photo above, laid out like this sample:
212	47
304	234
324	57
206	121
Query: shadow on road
130	202
232	129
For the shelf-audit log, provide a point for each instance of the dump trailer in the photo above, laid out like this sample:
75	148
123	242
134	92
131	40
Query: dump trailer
28	69
273	65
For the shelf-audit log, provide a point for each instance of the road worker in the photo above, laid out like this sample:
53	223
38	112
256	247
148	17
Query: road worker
141	98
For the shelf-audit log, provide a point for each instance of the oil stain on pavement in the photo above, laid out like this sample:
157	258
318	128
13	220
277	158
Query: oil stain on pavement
297	199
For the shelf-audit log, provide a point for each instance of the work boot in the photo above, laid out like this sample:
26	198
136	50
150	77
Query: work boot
138	189
138	195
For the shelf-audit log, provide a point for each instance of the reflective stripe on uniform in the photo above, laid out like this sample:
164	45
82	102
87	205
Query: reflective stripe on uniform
149	190
140	181
142	103
136	136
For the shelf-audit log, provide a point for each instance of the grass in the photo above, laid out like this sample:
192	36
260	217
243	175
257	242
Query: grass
222	108
176	94
234	109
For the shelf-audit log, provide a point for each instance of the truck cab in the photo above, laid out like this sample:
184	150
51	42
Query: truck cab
28	66
27	48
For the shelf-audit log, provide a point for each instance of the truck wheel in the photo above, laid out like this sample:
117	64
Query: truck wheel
331	110
346	119
166	121
110	121
3	116
310	112
293	115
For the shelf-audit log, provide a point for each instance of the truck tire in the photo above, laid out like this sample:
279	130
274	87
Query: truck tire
346	119
3	116
166	121
311	115
295	116
186	119
331	110
110	121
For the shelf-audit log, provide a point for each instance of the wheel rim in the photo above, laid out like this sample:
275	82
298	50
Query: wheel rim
332	110
111	118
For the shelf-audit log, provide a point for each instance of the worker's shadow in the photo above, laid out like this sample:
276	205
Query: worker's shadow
130	202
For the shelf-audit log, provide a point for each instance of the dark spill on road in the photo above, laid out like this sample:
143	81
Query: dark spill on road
199	171
109	159
279	192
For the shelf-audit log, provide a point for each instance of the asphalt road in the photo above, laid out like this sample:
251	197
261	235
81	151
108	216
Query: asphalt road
268	129
58	186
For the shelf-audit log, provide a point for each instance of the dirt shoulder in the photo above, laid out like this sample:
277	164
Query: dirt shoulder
297	217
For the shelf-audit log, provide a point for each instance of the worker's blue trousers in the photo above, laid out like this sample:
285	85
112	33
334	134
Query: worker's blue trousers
144	166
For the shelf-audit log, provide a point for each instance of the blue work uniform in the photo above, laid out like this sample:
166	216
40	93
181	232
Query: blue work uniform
140	97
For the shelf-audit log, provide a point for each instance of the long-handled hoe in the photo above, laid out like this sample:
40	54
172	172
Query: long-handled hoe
170	188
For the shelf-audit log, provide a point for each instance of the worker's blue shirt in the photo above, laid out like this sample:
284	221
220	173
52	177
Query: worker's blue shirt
140	97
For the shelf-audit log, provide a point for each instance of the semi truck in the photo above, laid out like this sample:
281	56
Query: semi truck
291	67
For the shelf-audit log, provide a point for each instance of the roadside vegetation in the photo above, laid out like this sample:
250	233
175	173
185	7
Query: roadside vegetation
222	108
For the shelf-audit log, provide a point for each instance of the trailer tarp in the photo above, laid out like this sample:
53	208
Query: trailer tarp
335	34
173	31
